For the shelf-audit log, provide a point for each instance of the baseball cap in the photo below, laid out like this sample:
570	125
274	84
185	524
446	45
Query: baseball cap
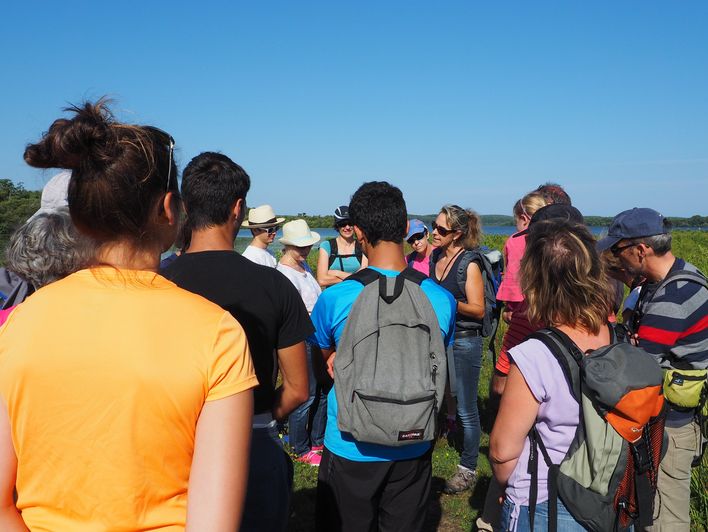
415	226
341	213
633	223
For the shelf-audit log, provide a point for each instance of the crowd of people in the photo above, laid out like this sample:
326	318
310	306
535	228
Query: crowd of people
140	394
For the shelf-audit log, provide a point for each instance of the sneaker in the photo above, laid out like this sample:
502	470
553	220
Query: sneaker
318	449
463	480
311	458
484	526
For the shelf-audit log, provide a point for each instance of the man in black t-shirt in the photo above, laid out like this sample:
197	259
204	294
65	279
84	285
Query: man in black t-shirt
267	306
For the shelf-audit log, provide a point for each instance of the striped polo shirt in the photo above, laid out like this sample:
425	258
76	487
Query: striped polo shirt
673	326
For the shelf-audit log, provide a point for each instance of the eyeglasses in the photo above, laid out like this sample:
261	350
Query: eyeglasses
416	237
442	231
170	143
617	250
270	230
341	225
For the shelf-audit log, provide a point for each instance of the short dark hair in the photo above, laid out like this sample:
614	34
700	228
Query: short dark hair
211	184
379	210
553	193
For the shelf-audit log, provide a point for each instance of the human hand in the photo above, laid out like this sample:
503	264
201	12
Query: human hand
330	365
506	316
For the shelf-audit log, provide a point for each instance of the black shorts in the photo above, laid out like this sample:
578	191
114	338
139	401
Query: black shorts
370	496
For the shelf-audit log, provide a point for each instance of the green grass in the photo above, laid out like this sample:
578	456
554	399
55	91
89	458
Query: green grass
458	512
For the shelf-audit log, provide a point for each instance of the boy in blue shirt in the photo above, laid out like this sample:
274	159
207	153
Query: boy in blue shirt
364	486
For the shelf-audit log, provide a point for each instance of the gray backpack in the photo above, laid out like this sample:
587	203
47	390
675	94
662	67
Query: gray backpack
390	369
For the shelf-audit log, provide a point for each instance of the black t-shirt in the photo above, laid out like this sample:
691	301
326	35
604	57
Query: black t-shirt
262	299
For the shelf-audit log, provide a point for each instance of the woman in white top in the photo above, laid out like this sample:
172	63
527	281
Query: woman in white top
298	241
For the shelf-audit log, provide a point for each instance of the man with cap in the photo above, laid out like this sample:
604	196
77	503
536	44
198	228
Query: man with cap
263	225
671	323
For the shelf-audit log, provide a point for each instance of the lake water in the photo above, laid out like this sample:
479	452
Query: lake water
244	235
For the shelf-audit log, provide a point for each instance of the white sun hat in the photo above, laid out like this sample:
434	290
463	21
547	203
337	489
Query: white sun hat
54	193
297	233
262	216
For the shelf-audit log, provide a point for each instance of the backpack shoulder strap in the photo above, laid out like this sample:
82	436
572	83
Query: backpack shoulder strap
365	276
413	275
333	251
358	252
569	362
467	257
683	275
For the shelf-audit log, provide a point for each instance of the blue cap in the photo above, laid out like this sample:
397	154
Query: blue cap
415	226
634	223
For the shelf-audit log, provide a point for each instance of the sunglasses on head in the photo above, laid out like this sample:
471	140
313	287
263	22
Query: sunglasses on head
442	231
417	236
170	144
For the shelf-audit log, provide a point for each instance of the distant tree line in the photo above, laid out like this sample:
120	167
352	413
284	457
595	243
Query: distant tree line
502	220
16	205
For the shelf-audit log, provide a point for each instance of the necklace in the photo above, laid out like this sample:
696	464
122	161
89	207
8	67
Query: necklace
448	265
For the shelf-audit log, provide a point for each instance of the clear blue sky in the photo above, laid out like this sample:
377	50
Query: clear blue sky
467	102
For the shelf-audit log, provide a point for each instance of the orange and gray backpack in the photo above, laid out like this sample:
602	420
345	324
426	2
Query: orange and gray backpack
607	479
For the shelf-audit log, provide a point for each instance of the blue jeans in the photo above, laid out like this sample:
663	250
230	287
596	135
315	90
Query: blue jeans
566	522
270	481
467	356
299	438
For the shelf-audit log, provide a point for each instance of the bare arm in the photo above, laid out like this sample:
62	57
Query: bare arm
295	388
517	414
474	293
325	276
10	519
364	262
217	480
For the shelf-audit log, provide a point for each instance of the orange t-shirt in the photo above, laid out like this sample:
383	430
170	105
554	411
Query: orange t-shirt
104	375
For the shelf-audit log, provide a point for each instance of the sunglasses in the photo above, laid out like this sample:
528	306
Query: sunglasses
343	224
270	230
442	231
170	144
414	238
617	250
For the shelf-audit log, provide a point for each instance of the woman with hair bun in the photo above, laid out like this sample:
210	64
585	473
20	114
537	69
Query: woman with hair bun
456	231
132	408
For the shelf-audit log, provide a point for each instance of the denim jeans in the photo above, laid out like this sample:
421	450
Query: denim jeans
566	522
270	480
467	356
314	411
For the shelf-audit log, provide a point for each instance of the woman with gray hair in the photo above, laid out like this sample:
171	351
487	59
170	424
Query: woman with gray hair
46	248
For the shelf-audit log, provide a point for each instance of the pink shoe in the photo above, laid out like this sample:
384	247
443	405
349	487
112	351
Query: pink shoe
310	457
318	449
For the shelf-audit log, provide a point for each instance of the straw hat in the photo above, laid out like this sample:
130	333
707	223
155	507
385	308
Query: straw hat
297	233
262	216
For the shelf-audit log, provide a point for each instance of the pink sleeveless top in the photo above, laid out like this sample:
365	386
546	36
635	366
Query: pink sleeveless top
510	287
